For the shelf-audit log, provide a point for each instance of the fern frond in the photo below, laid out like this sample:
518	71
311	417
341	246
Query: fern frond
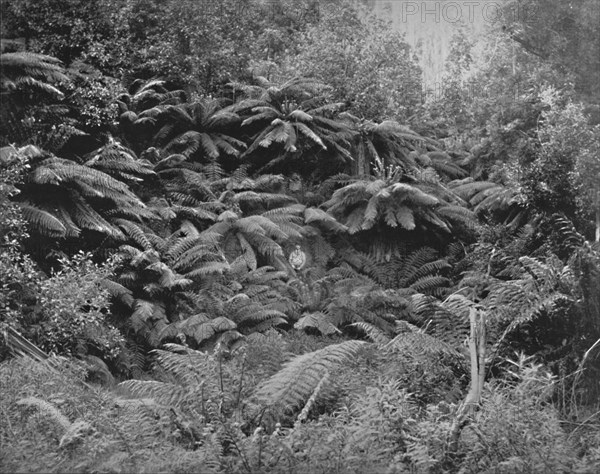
429	283
87	218
141	259
43	222
166	394
47	409
289	388
319	217
208	268
119	292
319	321
414	343
200	327
312	399
372	332
133	231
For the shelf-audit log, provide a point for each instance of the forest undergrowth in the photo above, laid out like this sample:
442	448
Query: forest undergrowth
224	413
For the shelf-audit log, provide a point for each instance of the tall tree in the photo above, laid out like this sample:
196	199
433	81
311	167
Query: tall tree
564	33
369	66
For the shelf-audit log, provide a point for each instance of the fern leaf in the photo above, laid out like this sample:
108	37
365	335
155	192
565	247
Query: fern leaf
204	331
292	386
47	409
372	332
429	283
166	394
43	222
118	291
134	232
319	321
208	268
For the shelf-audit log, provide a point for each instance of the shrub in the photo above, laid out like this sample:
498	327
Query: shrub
74	306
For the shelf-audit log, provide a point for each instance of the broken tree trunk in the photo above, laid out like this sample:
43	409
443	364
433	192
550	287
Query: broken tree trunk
477	354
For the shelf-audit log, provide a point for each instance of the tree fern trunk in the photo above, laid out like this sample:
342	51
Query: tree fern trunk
360	166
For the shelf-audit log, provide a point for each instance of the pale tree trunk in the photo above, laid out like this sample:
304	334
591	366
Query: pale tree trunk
477	354
598	225
598	216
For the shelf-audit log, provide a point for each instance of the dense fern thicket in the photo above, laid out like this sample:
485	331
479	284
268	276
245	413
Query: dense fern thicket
155	181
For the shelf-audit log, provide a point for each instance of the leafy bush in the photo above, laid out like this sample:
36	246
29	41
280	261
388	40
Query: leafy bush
74	309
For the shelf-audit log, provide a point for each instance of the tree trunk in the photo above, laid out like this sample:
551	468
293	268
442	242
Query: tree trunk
598	216
477	351
473	398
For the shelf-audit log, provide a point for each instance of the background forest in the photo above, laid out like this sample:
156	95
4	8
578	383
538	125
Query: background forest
159	162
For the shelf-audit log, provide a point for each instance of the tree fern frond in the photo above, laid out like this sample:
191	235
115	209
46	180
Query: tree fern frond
416	344
166	394
268	199
313	215
43	222
203	331
87	218
264	245
373	333
208	268
119	292
47	409
401	215
194	213
176	251
58	170
319	321
133	231
429	283
442	163
23	70
140	259
289	388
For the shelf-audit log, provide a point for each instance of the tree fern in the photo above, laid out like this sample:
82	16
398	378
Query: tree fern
198	130
287	122
140	108
485	196
160	279
379	145
369	202
76	197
